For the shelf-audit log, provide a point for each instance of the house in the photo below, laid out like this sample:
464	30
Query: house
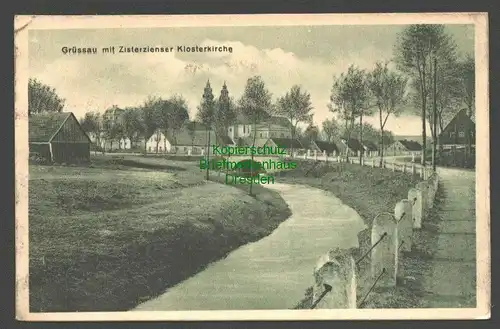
195	141
158	143
404	147
370	148
322	146
273	126
285	143
459	132
58	137
350	147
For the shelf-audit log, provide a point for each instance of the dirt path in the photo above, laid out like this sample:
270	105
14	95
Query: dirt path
274	272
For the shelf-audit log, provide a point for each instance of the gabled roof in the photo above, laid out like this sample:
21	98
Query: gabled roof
225	140
287	143
248	141
43	127
461	116
197	138
353	144
411	145
277	120
326	146
370	146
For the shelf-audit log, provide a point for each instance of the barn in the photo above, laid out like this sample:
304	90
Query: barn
58	137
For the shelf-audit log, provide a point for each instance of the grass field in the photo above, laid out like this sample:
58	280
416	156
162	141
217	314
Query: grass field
122	230
369	191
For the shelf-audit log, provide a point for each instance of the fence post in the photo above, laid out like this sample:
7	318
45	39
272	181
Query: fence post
393	166
315	155
305	156
422	172
421	203
338	159
189	152
404	216
385	253
202	152
337	270
373	163
326	156
404	168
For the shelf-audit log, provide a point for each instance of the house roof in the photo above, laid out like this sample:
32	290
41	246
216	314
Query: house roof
461	116
225	140
197	138
353	144
248	141
411	145
44	126
326	146
277	120
287	143
370	146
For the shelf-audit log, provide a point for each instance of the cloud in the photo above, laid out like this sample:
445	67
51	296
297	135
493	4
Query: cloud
95	82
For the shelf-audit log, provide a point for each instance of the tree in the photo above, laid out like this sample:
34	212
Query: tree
191	129
330	129
43	98
467	74
415	51
178	115
254	104
311	133
350	98
388	90
91	124
296	106
206	115
148	119
131	122
112	125
225	112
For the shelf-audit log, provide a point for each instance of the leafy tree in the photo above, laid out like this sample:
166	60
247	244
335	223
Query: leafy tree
296	106
206	115
149	119
225	112
131	124
191	129
330	129
112	125
311	133
350	98
91	124
388	90
254	104
417	49
43	98
177	115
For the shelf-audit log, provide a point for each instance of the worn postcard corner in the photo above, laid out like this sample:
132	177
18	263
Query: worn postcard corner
252	167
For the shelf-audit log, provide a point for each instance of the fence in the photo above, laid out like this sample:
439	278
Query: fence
391	234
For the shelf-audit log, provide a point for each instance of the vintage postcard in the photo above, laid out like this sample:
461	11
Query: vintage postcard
252	167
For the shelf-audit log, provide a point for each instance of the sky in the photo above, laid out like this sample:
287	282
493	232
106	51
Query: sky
310	56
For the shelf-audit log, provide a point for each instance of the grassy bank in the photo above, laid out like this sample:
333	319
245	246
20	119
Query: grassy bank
120	231
369	191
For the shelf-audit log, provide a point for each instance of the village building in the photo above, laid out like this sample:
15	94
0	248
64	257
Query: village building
404	147
272	127
158	143
370	148
459	132
58	137
350	147
329	148
285	143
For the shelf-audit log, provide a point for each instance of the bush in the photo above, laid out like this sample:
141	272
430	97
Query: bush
37	158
